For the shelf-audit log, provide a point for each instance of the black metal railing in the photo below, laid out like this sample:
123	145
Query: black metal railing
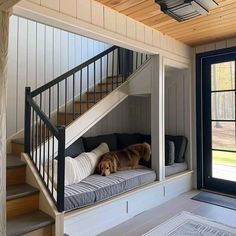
51	107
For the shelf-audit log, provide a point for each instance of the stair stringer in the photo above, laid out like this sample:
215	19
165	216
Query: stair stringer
135	85
46	204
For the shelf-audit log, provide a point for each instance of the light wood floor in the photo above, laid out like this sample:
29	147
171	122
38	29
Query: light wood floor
145	221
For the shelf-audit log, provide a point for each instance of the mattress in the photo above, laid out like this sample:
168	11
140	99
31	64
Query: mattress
175	168
96	188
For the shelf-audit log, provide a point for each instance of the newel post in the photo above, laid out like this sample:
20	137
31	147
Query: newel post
61	169
4	33
27	121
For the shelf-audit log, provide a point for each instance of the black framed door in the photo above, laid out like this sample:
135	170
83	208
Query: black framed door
218	122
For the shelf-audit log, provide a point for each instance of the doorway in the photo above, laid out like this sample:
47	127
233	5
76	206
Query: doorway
216	121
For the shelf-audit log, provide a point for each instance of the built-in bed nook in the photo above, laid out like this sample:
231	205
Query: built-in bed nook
128	124
155	97
177	137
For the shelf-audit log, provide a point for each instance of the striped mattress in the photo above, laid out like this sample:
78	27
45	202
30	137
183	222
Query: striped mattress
96	188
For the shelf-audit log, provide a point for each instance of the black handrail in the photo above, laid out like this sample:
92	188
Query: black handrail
47	110
71	72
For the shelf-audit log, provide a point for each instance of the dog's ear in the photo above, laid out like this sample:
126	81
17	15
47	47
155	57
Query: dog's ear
111	166
146	151
98	168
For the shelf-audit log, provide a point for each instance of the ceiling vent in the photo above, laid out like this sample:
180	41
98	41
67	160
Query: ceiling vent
182	10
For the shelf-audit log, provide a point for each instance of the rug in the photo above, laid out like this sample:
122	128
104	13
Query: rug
188	224
216	199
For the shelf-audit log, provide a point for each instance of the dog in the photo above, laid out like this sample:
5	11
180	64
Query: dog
125	159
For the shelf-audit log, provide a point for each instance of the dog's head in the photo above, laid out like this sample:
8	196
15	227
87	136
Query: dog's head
105	167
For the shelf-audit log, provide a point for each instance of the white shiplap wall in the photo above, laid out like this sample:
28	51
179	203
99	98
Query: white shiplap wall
174	103
133	115
91	18
216	45
37	54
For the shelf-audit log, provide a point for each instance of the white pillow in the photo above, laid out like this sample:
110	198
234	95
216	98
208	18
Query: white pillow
86	162
76	169
70	176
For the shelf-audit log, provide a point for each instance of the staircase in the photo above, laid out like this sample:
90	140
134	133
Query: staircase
46	118
23	214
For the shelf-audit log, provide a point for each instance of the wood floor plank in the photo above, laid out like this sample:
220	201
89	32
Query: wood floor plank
145	221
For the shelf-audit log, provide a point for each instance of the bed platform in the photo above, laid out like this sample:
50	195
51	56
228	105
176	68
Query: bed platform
175	168
97	188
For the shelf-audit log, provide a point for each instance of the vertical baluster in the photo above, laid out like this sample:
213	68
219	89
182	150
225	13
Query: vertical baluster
141	58
101	82
118	67
33	137
80	93
146	56
94	82
36	141
123	65
58	102
44	154
40	133
52	161
48	157
49	103
73	99
40	145
112	69
107	74
65	101
87	87
136	61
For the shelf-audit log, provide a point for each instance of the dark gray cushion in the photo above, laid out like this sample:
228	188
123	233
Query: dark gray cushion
75	149
175	168
92	142
169	153
146	138
180	147
125	140
96	188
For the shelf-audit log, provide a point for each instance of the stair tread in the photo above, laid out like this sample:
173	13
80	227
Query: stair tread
14	161
110	83
18	191
18	140
27	223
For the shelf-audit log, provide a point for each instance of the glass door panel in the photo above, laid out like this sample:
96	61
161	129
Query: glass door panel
219	124
223	123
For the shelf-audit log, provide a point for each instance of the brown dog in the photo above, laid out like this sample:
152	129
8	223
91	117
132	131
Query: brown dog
125	159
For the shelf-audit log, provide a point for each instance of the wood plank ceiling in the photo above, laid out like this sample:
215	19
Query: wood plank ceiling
219	24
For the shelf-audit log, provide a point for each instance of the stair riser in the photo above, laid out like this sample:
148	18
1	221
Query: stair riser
46	231
98	96
22	205
109	80
84	107
61	119
17	148
16	176
104	87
